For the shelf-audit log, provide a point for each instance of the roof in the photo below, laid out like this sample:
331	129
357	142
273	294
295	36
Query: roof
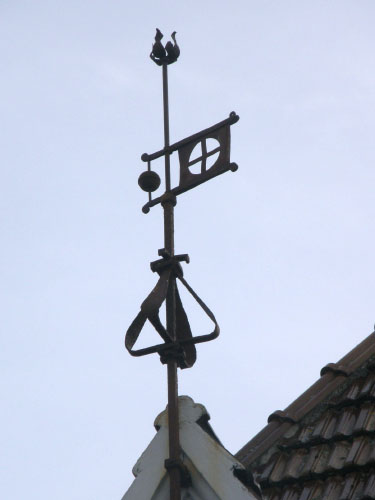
322	446
214	473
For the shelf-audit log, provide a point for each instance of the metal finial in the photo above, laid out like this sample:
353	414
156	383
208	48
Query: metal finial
164	55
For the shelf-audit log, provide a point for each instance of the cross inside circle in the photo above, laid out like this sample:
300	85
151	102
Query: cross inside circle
205	154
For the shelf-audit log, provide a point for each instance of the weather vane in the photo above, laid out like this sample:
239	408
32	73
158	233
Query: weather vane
178	347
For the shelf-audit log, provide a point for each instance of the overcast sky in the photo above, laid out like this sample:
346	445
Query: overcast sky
282	250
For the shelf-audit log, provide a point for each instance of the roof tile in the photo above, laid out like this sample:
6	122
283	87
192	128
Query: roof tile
352	486
312	491
353	392
349	487
369	425
369	489
290	494
331	420
329	453
360	450
305	434
333	489
339	452
346	422
363	417
318	458
278	471
368	386
267	471
307	491
295	464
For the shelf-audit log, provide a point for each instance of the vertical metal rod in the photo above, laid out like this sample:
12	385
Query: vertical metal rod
166	127
173	416
148	169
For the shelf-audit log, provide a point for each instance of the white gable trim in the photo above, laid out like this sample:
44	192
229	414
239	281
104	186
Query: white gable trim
200	453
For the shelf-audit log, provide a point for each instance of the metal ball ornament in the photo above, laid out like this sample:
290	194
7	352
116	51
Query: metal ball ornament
149	181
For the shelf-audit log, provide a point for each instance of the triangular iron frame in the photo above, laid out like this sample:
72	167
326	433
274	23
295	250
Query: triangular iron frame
169	268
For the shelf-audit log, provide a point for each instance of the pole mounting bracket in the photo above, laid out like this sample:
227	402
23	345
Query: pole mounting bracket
185	476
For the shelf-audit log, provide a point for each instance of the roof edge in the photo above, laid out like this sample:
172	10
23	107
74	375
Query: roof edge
330	380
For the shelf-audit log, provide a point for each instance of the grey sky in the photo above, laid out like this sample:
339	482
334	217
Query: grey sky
282	250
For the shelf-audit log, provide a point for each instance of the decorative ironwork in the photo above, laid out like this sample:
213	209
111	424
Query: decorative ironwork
183	347
164	55
188	180
178	347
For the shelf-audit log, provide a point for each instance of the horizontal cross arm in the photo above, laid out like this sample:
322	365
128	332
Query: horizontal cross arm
233	118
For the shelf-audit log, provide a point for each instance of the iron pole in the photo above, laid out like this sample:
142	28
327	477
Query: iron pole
168	207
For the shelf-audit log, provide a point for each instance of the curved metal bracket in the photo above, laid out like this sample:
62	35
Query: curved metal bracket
183	349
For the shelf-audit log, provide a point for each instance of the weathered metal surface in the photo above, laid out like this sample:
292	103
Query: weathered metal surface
189	180
329	451
183	344
149	181
178	349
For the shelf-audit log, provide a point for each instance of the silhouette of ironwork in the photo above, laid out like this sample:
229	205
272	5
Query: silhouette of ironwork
178	347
